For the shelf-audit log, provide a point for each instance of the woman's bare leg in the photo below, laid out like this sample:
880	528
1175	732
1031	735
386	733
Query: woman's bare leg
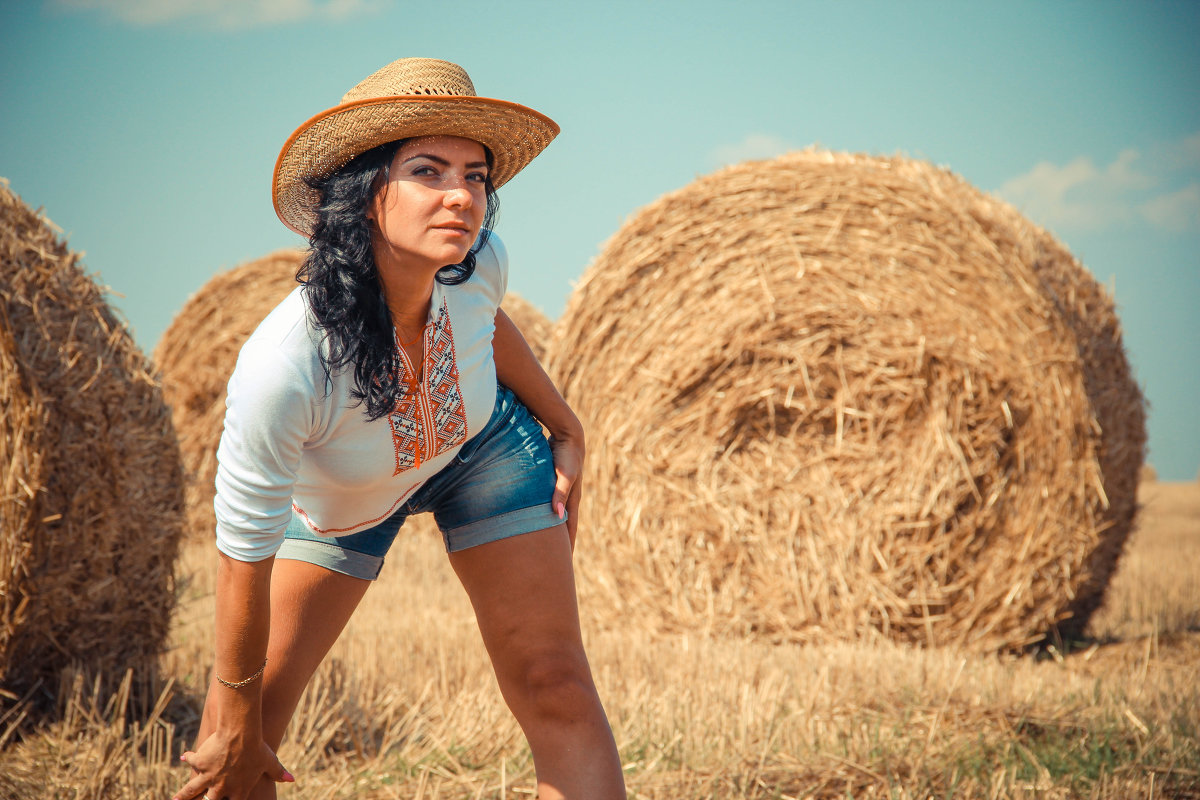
310	606
523	592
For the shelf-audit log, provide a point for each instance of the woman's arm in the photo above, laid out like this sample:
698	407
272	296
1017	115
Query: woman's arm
232	756
518	369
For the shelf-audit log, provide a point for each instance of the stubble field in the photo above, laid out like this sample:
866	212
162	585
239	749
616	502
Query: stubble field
406	706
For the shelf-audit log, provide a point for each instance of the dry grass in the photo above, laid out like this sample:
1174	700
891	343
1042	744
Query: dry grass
406	706
1160	589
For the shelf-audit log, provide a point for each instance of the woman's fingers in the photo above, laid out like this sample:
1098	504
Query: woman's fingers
562	493
276	772
568	469
193	789
196	787
217	783
573	509
568	463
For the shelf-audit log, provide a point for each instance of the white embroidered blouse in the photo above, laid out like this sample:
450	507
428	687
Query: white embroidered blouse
294	441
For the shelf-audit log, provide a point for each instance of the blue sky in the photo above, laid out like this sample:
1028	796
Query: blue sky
148	130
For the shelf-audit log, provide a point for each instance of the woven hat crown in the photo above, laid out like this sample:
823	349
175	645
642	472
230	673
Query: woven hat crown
407	98
413	76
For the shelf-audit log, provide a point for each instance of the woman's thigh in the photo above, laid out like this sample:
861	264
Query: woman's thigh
523	591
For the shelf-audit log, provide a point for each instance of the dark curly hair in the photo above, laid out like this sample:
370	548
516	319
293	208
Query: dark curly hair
342	281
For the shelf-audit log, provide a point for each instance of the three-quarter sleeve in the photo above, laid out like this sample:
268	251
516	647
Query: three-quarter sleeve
268	418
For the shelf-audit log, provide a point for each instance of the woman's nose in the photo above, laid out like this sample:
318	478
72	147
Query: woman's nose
458	196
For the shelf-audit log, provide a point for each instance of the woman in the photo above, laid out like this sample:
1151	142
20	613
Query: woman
391	383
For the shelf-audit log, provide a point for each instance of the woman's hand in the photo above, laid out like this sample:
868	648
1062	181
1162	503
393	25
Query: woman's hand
227	767
568	453
232	756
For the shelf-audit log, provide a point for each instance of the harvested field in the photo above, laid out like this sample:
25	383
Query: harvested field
833	396
708	706
396	712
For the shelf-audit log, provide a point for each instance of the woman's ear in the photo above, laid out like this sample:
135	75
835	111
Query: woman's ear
373	202
377	196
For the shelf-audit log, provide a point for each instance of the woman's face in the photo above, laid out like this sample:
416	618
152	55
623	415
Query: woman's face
432	206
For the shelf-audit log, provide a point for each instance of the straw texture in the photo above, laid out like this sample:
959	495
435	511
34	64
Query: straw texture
530	320
90	516
834	396
221	315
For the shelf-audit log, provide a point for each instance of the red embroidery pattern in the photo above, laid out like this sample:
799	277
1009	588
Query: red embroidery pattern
429	419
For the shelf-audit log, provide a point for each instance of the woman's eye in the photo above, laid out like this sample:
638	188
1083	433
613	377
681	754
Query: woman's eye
478	177
423	171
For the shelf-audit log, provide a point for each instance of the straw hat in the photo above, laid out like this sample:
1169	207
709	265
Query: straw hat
409	97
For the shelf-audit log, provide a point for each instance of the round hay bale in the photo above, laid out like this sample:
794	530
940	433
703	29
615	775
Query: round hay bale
530	320
22	464
92	488
831	396
221	315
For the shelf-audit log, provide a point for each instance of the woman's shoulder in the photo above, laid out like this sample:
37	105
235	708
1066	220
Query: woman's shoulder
494	252
288	324
491	269
287	337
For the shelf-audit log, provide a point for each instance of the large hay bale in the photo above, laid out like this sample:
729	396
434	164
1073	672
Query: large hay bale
222	315
832	395
530	320
196	356
92	499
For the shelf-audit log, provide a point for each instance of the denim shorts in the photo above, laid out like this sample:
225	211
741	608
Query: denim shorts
499	484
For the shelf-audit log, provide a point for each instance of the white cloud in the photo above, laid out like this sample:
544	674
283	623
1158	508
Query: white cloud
223	14
1160	187
755	146
1177	211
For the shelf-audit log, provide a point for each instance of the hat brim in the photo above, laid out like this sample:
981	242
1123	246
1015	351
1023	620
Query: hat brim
513	133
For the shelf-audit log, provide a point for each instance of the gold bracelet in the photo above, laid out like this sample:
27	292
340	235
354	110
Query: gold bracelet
241	683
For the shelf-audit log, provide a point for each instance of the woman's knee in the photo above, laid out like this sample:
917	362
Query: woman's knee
554	685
